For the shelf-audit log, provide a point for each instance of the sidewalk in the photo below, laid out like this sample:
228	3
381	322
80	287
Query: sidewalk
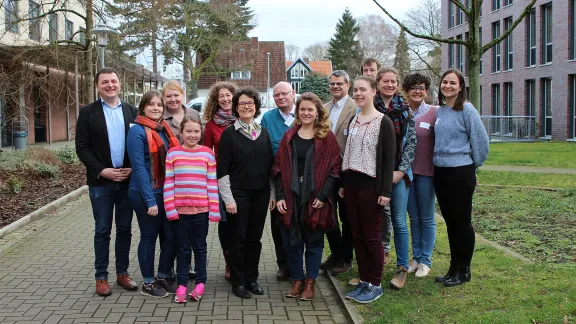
46	276
527	169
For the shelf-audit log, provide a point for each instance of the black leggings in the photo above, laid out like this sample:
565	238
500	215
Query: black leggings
454	190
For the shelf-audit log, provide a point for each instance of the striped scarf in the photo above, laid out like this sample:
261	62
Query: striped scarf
399	112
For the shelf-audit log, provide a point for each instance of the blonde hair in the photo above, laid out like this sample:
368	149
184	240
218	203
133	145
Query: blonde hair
322	123
212	102
172	85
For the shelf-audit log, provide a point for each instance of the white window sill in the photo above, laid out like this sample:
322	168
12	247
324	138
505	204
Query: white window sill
573	140
545	138
507	6
531	66
546	64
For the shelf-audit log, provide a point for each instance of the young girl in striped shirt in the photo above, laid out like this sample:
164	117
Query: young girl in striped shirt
191	200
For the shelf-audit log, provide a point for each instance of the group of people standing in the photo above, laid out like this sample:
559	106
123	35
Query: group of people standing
349	169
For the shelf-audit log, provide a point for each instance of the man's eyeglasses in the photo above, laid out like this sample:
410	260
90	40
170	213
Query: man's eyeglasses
282	94
336	84
415	88
246	104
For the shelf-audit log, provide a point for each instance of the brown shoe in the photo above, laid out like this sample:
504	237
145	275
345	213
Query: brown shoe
126	282
399	279
283	274
103	288
342	267
308	292
295	290
386	257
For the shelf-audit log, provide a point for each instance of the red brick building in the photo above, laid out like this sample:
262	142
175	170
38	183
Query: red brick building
248	62
533	71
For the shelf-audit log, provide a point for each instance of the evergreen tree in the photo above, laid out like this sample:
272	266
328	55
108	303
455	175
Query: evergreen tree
317	84
402	59
344	49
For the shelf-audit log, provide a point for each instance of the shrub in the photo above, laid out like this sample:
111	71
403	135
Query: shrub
11	161
14	185
47	170
40	154
67	155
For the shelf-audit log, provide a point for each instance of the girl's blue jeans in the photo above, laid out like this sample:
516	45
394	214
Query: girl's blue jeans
421	203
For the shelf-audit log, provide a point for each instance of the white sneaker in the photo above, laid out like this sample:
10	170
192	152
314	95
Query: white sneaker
412	266
423	270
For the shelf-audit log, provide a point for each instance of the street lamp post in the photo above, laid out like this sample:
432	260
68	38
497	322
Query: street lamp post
268	84
101	30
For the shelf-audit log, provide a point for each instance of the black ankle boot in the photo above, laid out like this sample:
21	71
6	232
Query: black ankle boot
447	275
460	276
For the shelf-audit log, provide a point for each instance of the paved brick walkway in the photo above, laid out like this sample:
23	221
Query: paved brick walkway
46	276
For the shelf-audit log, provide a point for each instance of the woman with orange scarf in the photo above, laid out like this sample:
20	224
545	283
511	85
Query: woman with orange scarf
147	143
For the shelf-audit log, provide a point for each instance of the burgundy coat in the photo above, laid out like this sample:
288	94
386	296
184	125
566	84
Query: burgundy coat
327	162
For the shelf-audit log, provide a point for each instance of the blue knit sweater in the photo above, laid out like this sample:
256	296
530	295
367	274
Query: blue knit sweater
274	124
460	137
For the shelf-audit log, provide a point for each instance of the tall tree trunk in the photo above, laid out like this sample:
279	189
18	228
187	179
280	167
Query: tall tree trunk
89	69
154	52
474	50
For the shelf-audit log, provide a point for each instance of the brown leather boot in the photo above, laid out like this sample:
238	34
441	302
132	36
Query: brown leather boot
103	288
227	269
295	290
126	282
308	292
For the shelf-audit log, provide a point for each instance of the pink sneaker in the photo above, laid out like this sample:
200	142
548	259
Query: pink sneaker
181	294
197	293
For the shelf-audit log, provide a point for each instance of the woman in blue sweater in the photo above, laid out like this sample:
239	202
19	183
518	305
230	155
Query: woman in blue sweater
460	146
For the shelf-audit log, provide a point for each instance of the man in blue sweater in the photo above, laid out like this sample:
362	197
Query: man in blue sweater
277	122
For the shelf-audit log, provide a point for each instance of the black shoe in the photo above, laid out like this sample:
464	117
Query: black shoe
169	284
241	292
460	276
448	274
153	289
283	273
255	288
330	263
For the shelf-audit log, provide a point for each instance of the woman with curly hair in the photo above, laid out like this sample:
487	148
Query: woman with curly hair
306	170
218	114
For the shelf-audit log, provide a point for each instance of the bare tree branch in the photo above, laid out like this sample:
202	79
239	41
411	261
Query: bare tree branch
509	30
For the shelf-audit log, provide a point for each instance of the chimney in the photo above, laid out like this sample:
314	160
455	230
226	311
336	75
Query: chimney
306	59
254	43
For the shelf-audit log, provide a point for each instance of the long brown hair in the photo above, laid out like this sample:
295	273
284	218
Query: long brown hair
322	123
461	99
189	119
146	98
212	102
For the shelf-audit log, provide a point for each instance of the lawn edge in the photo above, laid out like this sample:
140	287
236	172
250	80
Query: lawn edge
43	211
351	312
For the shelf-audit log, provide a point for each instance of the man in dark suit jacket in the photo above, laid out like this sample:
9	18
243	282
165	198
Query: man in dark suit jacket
101	132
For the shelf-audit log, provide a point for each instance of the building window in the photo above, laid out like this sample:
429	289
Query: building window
508	107
53	27
507	2
450	55
451	17
467	4
466	54
480	36
240	75
460	55
547	33
11	15
531	38
573	103
299	71
546	107
496	54
531	98
573	29
82	35
295	86
496	108
459	16
34	23
495	5
69	30
480	108
508	46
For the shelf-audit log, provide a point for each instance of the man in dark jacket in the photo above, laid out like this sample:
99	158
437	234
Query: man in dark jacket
101	132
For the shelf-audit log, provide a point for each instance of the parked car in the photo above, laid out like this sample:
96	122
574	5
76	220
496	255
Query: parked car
197	104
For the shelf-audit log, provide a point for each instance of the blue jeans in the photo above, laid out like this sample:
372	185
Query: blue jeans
191	230
398	205
295	254
105	200
150	228
421	203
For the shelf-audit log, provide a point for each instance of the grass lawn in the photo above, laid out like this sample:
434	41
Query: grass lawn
503	290
541	154
543	180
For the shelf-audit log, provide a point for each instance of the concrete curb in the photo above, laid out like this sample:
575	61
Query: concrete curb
43	211
495	245
349	308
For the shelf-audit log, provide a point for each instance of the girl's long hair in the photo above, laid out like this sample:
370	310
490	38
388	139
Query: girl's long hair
322	122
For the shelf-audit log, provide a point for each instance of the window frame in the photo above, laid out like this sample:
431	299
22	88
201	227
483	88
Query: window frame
34	27
546	106
508	3
480	37
53	26
68	29
573	30
240	75
531	98
573	103
547	34
531	39
451	15
11	15
496	93
496	49
508	46
496	5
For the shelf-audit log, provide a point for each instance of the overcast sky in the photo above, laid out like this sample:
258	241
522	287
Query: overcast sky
305	22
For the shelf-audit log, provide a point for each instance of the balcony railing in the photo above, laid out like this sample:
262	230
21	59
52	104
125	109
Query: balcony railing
510	128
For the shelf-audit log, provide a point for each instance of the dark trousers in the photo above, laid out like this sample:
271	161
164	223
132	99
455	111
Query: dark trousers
106	200
454	190
340	241
191	230
365	217
275	227
223	235
309	250
245	228
150	228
